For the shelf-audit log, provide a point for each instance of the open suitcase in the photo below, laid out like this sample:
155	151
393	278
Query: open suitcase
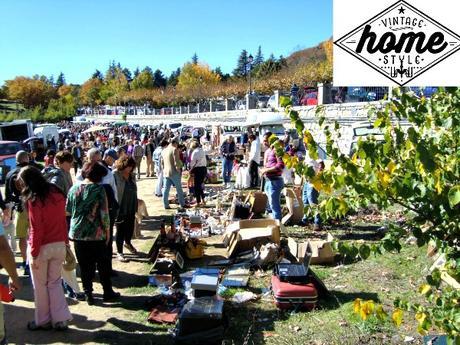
294	295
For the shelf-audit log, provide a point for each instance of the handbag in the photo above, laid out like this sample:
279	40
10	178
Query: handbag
70	263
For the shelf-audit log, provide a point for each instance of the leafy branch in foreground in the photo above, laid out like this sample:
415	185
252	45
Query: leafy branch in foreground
413	163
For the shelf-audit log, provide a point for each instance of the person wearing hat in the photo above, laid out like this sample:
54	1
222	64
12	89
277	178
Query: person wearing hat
13	196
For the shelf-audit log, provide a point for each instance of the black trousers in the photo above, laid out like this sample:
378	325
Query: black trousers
91	255
254	173
199	174
110	244
125	229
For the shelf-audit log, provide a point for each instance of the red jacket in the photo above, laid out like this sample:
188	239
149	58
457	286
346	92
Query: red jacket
47	221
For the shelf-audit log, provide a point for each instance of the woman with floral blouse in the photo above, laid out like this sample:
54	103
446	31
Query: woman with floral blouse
90	230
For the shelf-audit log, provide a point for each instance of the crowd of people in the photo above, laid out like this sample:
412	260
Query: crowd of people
45	208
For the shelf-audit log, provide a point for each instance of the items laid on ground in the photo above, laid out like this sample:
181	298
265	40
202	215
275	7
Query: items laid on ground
192	298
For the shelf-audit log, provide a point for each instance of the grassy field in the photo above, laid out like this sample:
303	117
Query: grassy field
381	278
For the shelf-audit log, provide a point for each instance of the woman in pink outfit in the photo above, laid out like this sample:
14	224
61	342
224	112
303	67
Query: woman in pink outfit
47	248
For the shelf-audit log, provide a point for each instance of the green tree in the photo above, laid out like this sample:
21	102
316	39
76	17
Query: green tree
98	75
127	74
259	58
158	79
112	90
90	92
60	81
240	69
416	167
174	77
223	77
136	72
144	80
195	59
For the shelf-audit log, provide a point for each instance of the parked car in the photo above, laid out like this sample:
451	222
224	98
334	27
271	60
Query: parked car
262	102
8	151
271	102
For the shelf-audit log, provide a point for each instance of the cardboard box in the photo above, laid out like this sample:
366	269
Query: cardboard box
258	201
295	206
247	234
321	250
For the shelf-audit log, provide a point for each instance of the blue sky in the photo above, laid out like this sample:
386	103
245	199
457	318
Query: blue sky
78	36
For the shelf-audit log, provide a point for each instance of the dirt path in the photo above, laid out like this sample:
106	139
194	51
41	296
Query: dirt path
103	322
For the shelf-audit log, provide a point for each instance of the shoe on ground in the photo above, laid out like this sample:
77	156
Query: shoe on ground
89	299
61	326
317	227
121	258
112	296
131	248
32	326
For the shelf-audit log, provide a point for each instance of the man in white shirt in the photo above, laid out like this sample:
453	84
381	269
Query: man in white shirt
199	171
254	160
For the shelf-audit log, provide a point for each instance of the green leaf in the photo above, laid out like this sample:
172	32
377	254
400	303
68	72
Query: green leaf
285	101
364	251
454	196
425	156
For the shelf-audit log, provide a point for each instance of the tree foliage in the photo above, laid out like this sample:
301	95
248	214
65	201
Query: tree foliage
196	77
60	81
31	92
90	92
416	167
158	79
144	80
240	70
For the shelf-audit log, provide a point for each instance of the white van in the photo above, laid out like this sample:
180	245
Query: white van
47	133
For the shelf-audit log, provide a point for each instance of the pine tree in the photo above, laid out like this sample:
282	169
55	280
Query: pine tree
148	69
60	81
97	75
158	79
136	72
259	59
127	74
195	59
174	77
111	71
240	69
223	77
282	61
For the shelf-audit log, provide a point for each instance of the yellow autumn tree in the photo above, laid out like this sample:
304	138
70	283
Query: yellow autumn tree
195	79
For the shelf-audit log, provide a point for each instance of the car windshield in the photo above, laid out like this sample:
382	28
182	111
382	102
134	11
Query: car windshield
264	98
174	125
368	130
9	149
275	129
